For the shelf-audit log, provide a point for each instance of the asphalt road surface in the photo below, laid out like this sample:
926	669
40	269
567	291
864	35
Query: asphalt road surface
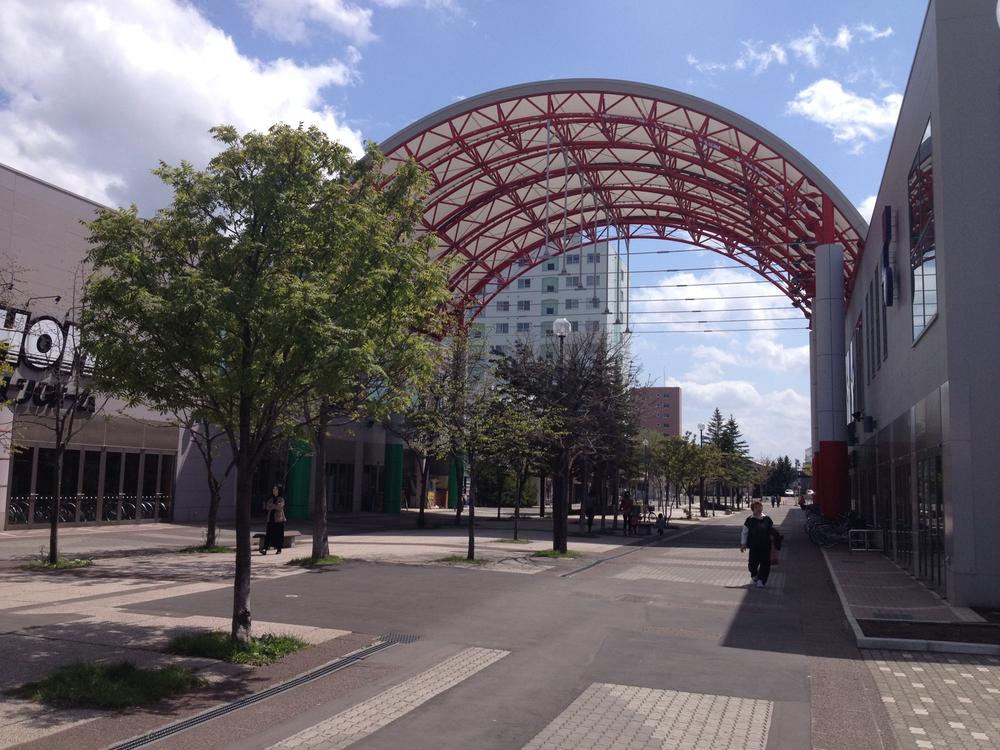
666	645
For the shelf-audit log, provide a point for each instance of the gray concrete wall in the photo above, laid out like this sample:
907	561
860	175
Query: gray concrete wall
953	82
968	206
43	242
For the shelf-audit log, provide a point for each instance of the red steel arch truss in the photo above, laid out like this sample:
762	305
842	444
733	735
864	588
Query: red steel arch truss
521	173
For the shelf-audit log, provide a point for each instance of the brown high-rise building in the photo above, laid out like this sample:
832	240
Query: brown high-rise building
659	410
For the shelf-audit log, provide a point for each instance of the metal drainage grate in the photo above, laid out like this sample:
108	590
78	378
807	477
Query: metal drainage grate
384	642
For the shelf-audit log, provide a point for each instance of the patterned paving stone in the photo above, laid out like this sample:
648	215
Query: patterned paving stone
709	576
367	717
637	718
939	700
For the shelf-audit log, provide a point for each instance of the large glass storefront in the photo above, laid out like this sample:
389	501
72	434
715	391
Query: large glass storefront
897	486
103	485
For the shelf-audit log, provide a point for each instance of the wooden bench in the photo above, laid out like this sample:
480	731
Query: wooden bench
287	541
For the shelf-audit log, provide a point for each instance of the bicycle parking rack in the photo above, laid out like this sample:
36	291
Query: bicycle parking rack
864	540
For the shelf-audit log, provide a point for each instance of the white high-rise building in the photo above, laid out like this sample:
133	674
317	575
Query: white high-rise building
588	285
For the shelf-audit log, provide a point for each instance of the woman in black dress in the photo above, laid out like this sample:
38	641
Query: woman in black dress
274	536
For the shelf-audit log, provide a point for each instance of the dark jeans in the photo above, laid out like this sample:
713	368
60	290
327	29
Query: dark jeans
275	535
760	562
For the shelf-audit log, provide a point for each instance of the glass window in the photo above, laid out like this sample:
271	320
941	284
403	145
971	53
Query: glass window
112	485
572	304
150	470
550	307
572	260
551	266
166	487
593	326
524	283
524	305
592	280
550	285
574	325
573	282
593	257
503	327
130	486
20	485
503	306
70	472
923	250
523	327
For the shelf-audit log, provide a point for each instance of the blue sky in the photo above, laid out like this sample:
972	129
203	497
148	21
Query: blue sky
93	94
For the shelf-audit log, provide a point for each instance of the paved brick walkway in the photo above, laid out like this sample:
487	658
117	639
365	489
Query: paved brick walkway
939	700
623	717
369	716
877	589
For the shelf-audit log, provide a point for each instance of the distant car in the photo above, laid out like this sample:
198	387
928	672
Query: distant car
789	492
809	492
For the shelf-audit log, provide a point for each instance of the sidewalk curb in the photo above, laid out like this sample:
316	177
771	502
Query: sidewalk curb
904	644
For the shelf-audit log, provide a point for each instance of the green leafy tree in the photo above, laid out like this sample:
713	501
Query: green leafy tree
221	306
586	387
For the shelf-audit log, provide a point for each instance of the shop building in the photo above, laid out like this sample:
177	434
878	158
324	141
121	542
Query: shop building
120	464
922	350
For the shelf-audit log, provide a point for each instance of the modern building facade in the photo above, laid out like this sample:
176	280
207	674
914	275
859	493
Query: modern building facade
124	465
120	464
659	409
921	343
588	285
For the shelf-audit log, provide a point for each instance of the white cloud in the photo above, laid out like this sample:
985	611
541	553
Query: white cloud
867	207
758	56
449	5
290	20
774	422
855	120
91	99
871	34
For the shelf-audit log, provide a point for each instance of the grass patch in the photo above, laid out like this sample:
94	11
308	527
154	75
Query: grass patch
308	562
204	548
556	553
63	563
216	644
510	540
107	686
461	559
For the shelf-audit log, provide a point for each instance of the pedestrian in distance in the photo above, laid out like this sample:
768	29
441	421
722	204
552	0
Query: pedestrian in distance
626	509
274	534
590	510
459	508
757	535
633	520
661	524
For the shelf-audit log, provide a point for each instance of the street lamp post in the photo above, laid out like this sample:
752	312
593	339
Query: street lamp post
645	448
560	515
701	443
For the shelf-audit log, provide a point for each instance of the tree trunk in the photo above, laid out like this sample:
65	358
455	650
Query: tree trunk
214	498
522	475
471	555
56	502
424	470
244	487
560	516
541	494
320	540
615	501
500	478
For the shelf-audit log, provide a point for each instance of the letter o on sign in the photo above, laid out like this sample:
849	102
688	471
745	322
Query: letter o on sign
43	343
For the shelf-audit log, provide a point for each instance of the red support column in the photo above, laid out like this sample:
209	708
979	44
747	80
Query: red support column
835	478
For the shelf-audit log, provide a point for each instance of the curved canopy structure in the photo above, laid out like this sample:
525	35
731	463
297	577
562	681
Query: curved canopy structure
522	172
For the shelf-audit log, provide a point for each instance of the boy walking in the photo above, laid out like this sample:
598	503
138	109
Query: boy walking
757	532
